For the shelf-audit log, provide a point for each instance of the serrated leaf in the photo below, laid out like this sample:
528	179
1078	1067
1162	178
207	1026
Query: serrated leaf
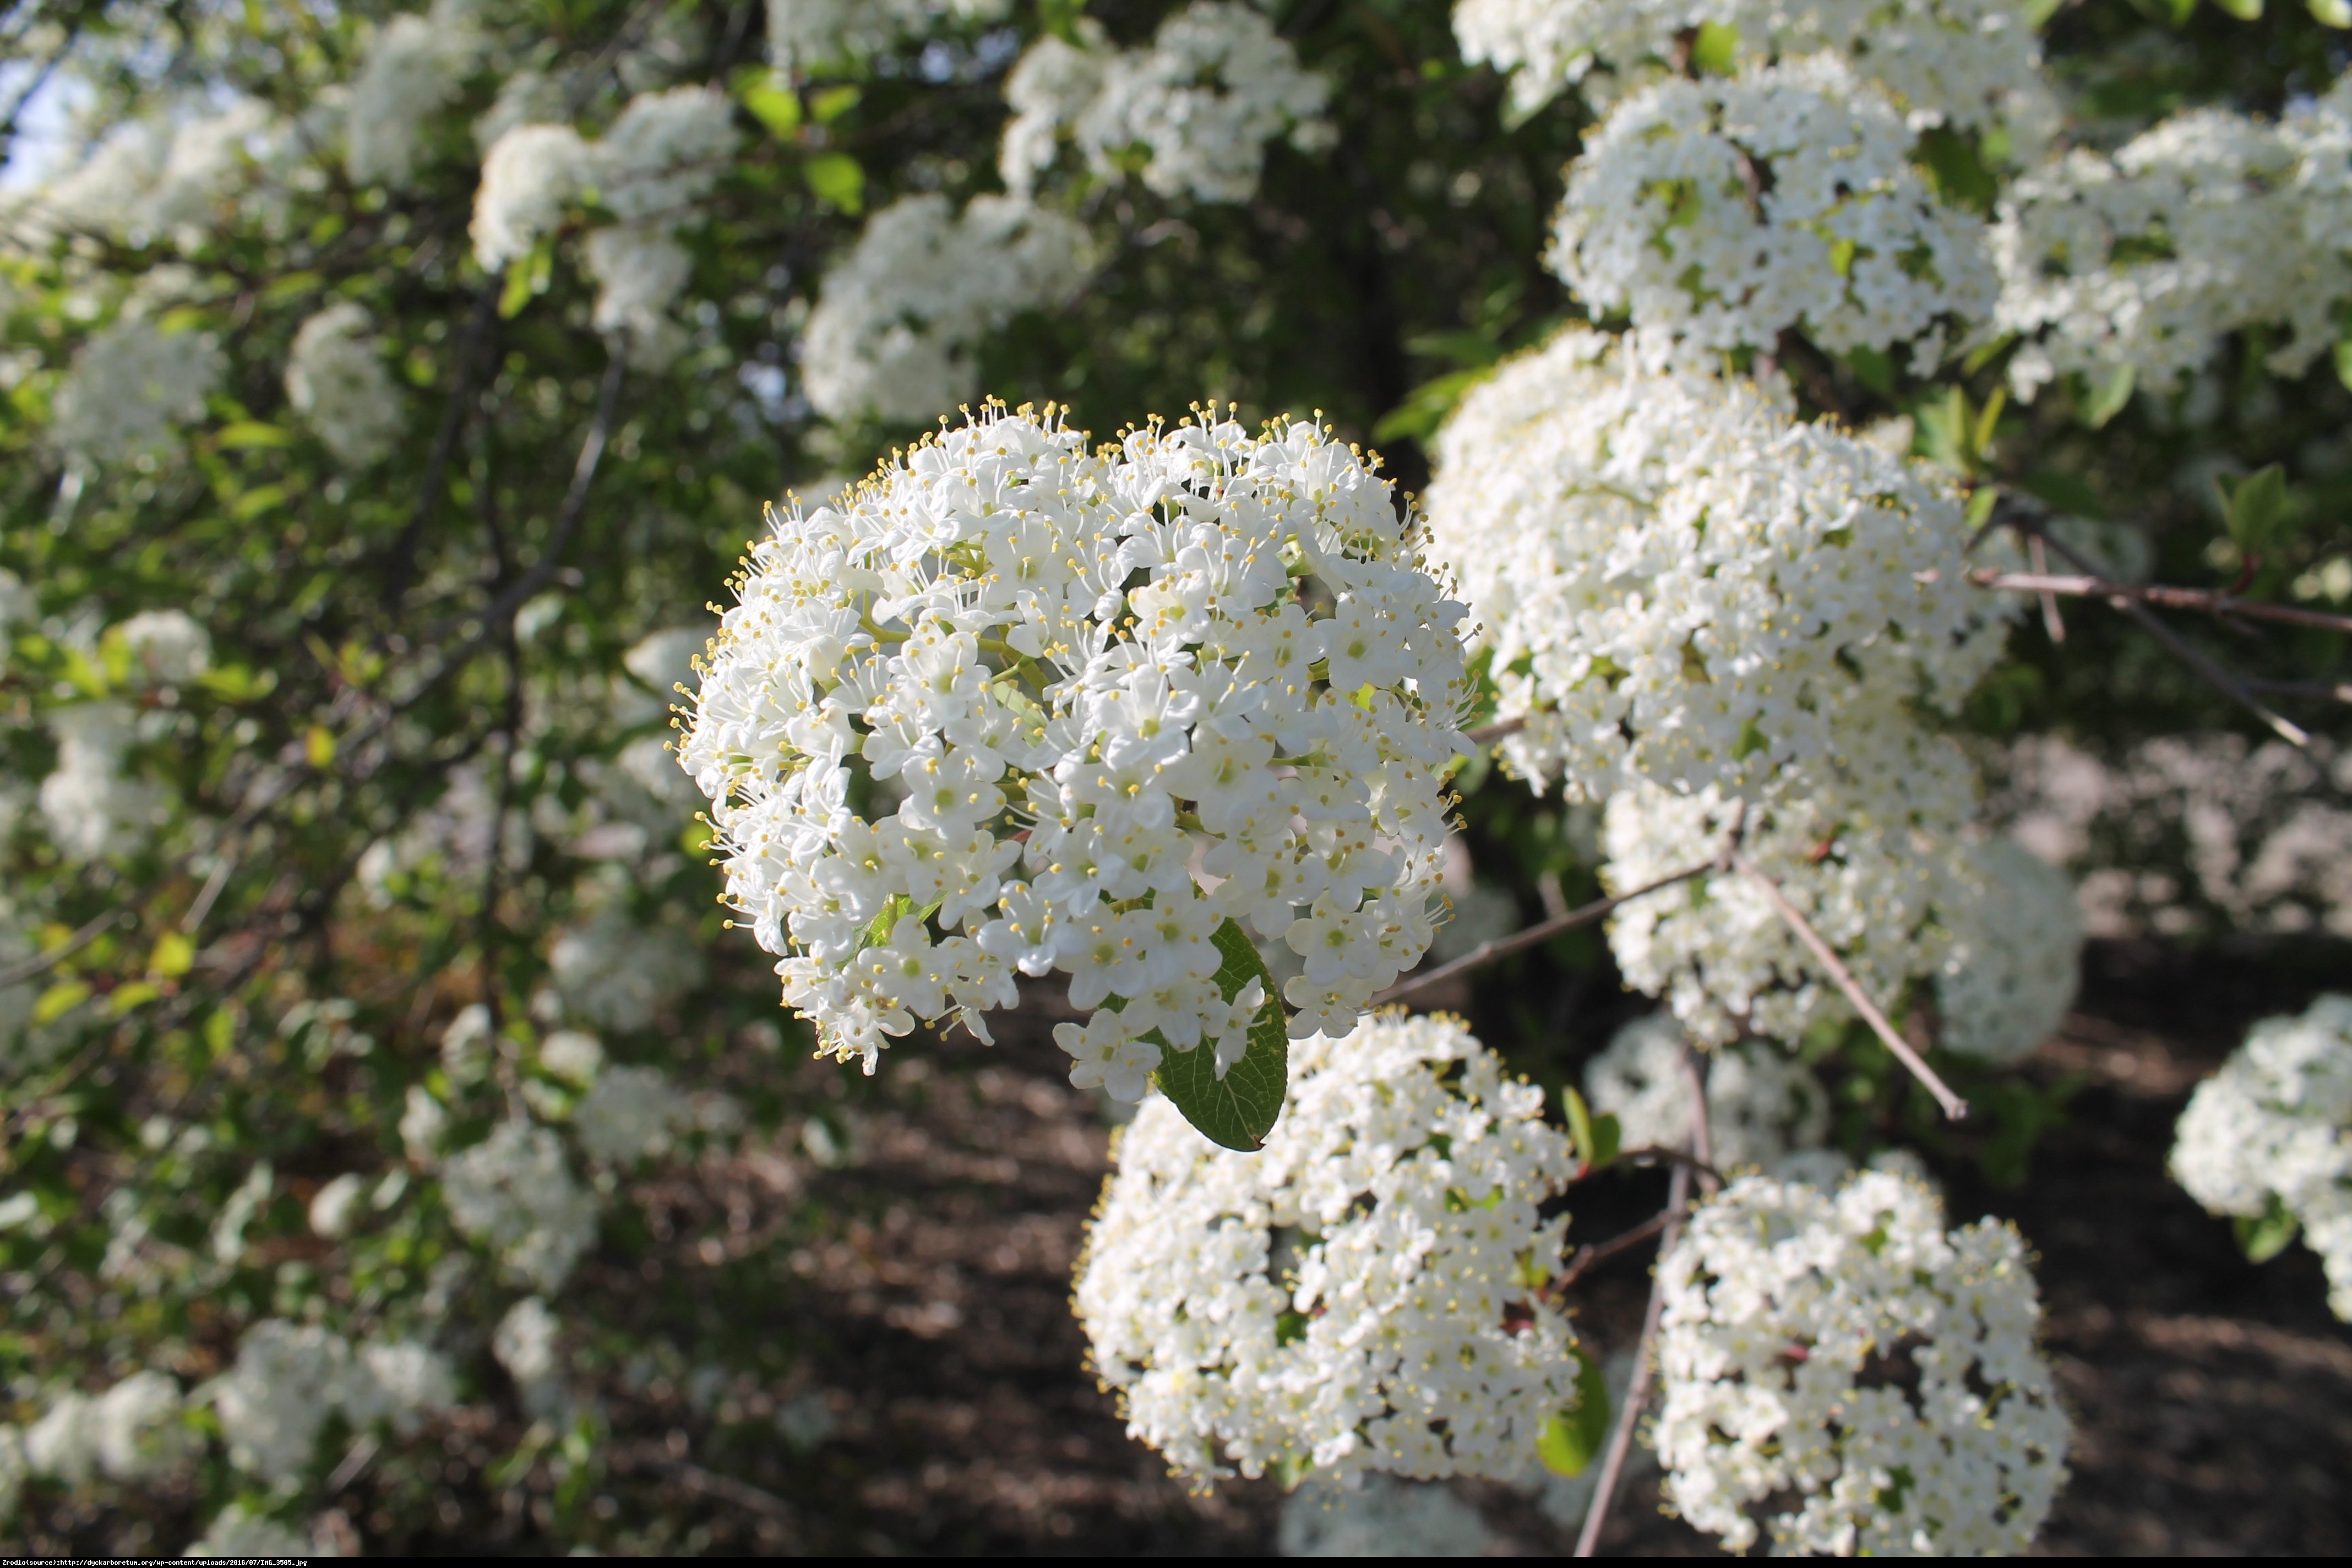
1570	1440
1239	1109
2266	1234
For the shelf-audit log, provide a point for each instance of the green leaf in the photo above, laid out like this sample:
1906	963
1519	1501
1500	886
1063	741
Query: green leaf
1426	406
771	103
1579	1126
2344	345
253	502
136	993
1239	1109
835	177
1957	164
833	103
2265	1236
2243	10
1469	349
1874	369
173	955
253	433
2182	11
1715	51
1608	1136
1060	17
528	279
2331	12
2107	397
2255	507
1570	1440
60	999
319	746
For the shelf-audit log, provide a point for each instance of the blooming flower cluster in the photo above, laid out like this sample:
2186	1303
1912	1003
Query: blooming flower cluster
1971	64
290	1377
1192	677
337	380
805	33
1680	583
2270	1135
2208	224
93	805
1358	1296
1191	114
1720	214
131	1432
515	1193
414	67
617	974
129	388
1846	1364
893	330
2016	954
1761	1106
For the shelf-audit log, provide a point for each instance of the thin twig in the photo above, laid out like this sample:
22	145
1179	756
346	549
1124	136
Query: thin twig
2221	680
1702	1138
743	1494
2316	690
1594	1254
40	963
2085	587
1504	946
1487	735
1637	1394
1659	1154
2052	621
1955	1108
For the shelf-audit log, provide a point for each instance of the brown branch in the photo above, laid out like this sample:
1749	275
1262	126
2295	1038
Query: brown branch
2052	621
2205	599
2221	680
1955	1108
1504	946
1590	1257
2316	690
1487	735
1637	1394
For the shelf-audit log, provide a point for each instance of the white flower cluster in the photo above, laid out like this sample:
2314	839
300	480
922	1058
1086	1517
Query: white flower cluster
1680	583
894	325
1361	1294
129	388
1761	1106
806	34
2274	1130
290	1377
414	67
1972	64
617	974
1191	114
2016	956
660	156
1195	677
163	649
131	1433
165	178
1881	856
92	805
1866	1378
236	1532
1720	214
337	380
515	1193
2208	224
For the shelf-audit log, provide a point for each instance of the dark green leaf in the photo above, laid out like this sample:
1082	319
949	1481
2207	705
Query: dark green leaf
2065	492
1239	1109
1426	407
2107	398
2256	507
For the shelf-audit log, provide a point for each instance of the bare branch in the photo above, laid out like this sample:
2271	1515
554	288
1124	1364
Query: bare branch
2316	690
2205	599
1542	931
2052	621
1487	735
1620	1436
1592	1256
1955	1108
2229	685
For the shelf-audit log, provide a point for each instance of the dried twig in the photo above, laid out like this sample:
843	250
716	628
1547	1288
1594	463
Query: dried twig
2229	685
1701	1137
2087	586
1954	1105
1592	1254
1620	1436
1504	946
